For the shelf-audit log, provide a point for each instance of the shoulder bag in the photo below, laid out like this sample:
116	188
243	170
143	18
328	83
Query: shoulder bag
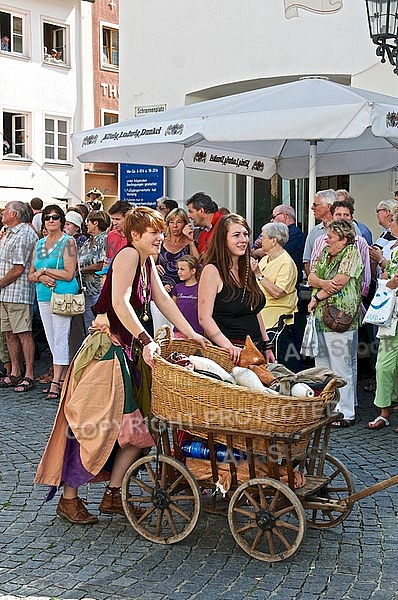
68	304
335	318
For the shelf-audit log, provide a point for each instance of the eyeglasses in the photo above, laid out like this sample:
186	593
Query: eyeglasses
314	204
52	217
379	209
277	215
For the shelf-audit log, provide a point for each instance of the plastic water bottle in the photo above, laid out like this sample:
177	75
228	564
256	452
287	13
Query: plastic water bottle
201	450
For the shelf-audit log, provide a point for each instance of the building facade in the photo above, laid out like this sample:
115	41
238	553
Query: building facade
41	98
105	82
59	64
189	52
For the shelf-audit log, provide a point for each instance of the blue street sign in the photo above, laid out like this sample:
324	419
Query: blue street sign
141	184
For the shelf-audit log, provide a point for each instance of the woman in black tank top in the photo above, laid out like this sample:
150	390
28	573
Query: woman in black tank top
230	299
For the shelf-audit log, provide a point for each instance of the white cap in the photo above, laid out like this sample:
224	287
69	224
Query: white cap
74	217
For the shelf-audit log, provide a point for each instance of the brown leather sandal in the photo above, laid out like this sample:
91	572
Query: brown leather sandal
54	395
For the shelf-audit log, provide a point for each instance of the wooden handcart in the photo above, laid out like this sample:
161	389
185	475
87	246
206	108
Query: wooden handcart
300	484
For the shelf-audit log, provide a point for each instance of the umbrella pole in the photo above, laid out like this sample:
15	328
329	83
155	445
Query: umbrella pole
250	201
312	182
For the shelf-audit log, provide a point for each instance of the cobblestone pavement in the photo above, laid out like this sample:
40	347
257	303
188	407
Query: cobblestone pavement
42	556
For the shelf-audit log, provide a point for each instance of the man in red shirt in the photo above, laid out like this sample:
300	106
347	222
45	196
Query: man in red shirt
203	212
116	238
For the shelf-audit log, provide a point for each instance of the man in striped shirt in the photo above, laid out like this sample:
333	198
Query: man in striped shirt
17	295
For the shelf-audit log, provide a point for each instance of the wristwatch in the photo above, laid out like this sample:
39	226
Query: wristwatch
44	270
260	278
317	297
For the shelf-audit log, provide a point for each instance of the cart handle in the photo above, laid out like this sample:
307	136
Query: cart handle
373	489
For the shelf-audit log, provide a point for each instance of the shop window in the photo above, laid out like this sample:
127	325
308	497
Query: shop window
56	137
110	47
12	27
55	44
109	117
14	135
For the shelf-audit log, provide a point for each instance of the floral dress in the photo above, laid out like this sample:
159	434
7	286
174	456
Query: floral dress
347	262
90	256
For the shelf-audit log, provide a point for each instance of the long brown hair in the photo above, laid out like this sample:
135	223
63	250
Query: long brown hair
218	255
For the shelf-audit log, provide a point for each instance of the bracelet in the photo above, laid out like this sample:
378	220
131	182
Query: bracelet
267	345
144	338
260	277
317	298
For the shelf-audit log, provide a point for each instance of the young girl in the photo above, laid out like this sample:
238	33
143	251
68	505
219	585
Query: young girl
185	294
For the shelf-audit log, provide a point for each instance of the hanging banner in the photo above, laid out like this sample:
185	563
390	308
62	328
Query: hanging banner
141	184
317	6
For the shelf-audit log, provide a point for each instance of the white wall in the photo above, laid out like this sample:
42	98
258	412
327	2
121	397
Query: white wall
40	89
173	49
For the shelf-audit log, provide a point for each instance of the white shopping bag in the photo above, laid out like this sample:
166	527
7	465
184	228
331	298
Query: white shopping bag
309	345
381	308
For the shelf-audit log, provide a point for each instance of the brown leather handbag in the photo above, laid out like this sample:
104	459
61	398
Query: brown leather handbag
336	319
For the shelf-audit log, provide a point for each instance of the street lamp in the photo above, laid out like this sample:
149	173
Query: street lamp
383	27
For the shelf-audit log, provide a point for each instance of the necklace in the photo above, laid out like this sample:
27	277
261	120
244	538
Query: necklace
145	293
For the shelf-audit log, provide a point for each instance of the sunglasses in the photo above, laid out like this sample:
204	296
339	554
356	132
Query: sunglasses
52	218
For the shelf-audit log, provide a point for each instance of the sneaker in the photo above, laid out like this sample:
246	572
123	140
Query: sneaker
74	511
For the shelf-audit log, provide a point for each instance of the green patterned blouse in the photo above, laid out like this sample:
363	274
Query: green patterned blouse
347	262
392	264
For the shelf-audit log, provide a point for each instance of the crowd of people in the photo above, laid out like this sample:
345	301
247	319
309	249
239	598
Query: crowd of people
195	268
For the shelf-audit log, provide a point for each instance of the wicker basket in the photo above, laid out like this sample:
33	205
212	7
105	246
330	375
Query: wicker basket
185	397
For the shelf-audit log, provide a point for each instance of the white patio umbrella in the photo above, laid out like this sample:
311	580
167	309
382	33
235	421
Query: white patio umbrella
308	128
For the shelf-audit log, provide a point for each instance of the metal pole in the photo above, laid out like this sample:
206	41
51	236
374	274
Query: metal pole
250	201
312	182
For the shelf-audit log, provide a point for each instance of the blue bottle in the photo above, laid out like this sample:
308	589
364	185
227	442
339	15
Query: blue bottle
201	450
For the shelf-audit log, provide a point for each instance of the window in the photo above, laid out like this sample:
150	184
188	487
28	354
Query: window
15	134
55	44
109	117
110	47
56	140
12	27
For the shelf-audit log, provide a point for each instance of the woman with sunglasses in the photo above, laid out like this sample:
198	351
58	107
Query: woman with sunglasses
53	268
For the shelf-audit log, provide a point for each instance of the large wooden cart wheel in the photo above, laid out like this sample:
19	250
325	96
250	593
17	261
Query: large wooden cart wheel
266	519
339	487
163	503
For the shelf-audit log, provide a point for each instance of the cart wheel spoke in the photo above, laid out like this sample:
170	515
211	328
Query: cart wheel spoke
141	484
273	527
250	498
168	496
271	544
275	500
247	527
281	537
338	487
287	525
159	518
263	502
138	499
257	539
179	497
163	474
284	511
180	512
150	472
146	514
171	521
245	512
179	481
